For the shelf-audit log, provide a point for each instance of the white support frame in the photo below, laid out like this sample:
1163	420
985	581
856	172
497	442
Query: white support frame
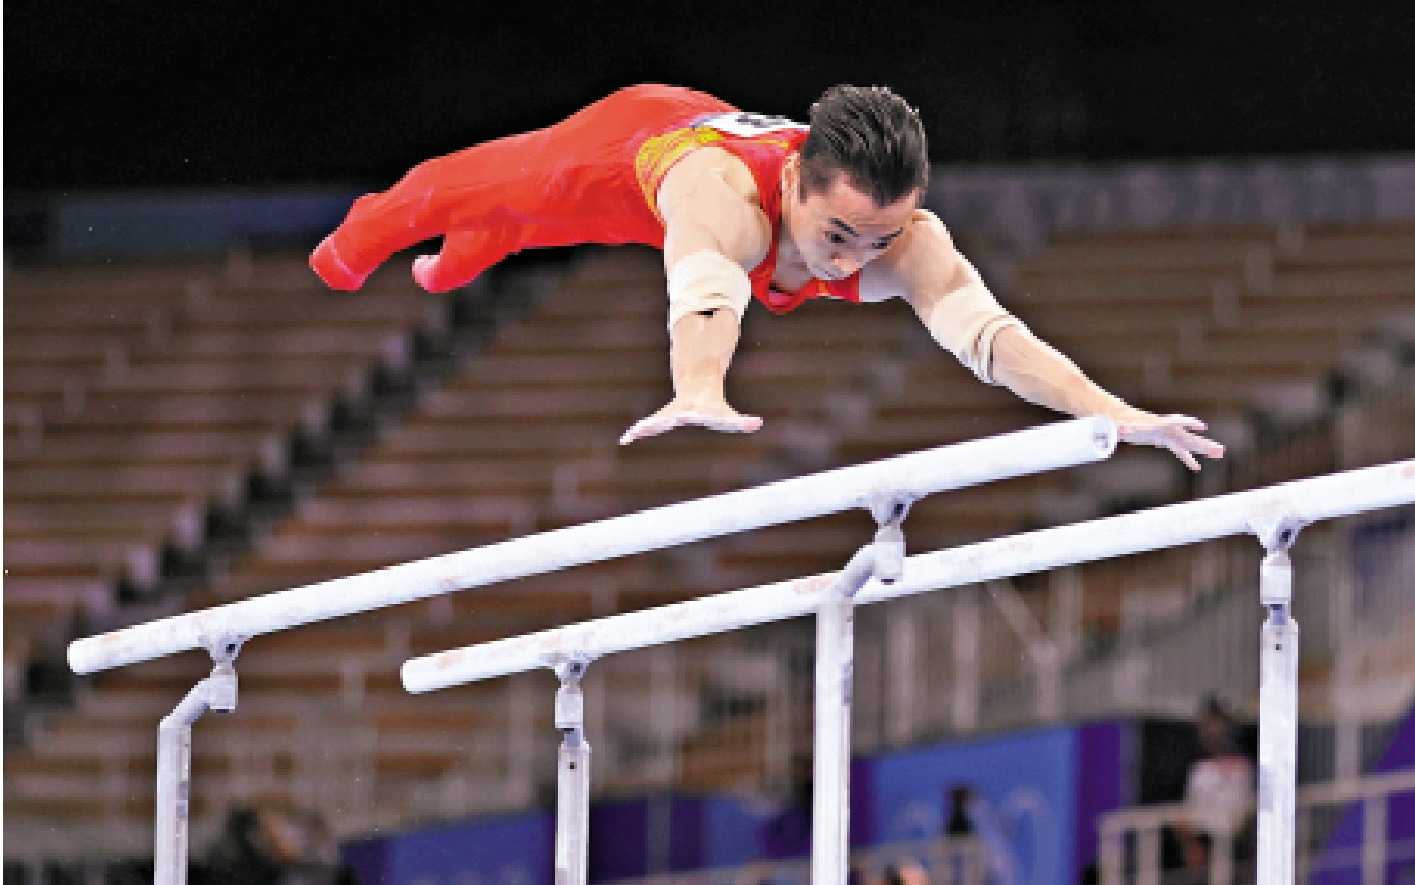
1275	515
886	487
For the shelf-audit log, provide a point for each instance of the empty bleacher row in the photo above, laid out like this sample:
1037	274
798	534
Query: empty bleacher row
1239	327
141	399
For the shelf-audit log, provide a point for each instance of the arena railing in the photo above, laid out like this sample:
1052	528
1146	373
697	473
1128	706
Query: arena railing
1130	840
880	571
887	488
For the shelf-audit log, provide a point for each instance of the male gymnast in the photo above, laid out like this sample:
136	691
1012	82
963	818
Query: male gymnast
744	207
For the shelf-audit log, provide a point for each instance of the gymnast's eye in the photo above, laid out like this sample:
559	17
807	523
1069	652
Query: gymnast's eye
835	239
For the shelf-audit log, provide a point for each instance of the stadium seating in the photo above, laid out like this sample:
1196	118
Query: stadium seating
134	419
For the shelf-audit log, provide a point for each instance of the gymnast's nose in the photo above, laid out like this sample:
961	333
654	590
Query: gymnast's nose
845	264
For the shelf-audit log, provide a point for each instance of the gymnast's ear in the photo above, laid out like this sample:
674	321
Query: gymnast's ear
791	177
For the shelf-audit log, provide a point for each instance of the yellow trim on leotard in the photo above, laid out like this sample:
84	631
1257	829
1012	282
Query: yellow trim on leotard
658	154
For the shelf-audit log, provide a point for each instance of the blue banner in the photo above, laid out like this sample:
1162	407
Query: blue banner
517	850
1016	793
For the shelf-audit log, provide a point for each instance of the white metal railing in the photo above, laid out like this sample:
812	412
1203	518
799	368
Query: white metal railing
1131	838
879	571
886	488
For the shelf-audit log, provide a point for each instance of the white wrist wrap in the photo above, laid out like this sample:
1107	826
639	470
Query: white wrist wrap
707	280
965	322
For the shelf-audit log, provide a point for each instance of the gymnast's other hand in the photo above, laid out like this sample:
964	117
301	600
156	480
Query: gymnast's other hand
1174	432
712	413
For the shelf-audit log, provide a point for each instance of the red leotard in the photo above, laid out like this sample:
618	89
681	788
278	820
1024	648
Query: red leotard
592	178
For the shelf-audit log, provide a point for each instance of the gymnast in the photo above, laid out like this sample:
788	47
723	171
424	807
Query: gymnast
744	206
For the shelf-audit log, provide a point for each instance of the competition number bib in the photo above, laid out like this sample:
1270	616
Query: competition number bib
745	125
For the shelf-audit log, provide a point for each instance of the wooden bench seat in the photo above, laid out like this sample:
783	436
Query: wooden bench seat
321	310
1210	258
41	621
74	349
488	437
570	404
137	445
192	479
195	412
496	369
309	342
37	517
481	514
1155	289
612	333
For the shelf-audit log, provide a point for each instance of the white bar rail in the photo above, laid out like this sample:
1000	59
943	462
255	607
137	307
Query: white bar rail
1039	449
1275	515
1264	512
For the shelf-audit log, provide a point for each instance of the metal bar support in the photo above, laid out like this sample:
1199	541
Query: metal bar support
174	762
1277	710
835	672
1374	839
572	814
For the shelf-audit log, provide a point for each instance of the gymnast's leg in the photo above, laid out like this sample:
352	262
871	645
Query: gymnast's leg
464	255
379	225
569	183
469	193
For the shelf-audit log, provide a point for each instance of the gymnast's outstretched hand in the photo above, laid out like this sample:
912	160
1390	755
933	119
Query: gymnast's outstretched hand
710	412
1178	433
1039	373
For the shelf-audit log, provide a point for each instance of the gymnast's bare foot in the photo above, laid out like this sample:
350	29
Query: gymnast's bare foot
714	415
423	267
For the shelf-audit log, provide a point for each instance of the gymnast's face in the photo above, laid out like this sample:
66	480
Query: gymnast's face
839	230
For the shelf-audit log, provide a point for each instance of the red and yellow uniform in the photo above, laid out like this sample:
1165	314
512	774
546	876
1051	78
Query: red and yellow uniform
592	178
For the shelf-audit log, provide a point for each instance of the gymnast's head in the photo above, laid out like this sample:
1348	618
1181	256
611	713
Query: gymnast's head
857	180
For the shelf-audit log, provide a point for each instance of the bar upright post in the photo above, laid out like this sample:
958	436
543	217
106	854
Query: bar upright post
835	660
572	815
835	673
1277	716
174	764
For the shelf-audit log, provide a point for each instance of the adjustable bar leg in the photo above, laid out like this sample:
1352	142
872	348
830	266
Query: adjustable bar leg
835	655
835	672
174	769
572	815
1277	725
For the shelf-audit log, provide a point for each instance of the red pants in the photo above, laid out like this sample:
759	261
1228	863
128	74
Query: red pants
570	183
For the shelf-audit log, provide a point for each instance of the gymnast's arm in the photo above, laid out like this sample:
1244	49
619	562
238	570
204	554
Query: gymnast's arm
712	232
950	298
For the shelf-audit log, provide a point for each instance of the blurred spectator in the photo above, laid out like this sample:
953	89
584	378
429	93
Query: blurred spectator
788	834
958	822
967	856
1219	791
276	845
906	872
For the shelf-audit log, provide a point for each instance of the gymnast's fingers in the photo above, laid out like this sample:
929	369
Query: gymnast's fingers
1183	455
726	422
1205	446
650	426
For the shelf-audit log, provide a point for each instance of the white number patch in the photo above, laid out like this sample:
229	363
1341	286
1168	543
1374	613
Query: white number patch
748	125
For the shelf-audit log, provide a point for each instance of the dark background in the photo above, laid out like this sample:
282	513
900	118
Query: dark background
152	93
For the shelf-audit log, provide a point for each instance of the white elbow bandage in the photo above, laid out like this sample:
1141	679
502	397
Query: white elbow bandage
965	322
707	280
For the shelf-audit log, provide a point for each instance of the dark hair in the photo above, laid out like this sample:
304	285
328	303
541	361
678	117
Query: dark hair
871	135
